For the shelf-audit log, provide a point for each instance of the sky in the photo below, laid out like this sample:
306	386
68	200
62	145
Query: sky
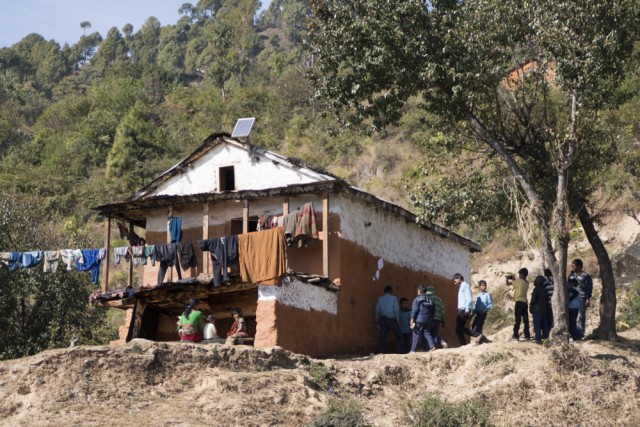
60	19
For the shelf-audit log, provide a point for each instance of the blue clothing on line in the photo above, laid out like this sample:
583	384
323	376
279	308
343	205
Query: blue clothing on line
14	260
31	259
175	229
91	263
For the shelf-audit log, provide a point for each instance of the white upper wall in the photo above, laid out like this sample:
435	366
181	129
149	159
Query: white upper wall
252	172
391	238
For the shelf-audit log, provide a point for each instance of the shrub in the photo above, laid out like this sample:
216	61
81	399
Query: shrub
341	413
432	411
320	375
630	309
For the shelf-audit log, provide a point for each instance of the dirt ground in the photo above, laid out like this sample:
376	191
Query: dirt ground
174	384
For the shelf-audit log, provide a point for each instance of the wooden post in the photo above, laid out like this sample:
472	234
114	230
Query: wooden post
325	235
285	206
205	235
107	245
169	240
130	277
245	216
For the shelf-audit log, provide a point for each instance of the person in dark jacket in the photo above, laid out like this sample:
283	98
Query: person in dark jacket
548	286
422	313
538	308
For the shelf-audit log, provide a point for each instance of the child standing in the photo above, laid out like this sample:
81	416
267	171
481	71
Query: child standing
482	306
538	308
405	321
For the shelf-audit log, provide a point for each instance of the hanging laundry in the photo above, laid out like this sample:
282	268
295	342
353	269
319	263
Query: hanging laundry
138	253
168	257
10	260
262	257
71	257
219	258
290	225
187	256
175	229
51	261
31	259
231	243
264	223
119	252
91	262
306	227
149	251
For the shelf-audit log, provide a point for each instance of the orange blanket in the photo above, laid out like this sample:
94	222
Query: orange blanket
262	256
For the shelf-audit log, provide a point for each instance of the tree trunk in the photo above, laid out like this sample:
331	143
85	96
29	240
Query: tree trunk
560	330
607	328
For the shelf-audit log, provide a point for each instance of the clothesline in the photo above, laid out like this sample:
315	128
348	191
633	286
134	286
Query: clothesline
297	227
80	259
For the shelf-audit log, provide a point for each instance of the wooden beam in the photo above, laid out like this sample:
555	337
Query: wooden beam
107	245
137	321
285	206
130	276
169	215
325	234
245	216
205	235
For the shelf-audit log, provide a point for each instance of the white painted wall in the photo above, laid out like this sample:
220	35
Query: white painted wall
223	211
393	239
250	174
298	294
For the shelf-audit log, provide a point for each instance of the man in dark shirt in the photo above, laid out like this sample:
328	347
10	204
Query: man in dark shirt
585	286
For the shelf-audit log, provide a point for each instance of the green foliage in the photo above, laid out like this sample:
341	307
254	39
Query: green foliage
42	310
341	413
321	375
432	411
630	309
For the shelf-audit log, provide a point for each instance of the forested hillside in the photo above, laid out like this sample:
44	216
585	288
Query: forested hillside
89	123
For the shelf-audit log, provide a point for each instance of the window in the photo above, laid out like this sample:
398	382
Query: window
227	179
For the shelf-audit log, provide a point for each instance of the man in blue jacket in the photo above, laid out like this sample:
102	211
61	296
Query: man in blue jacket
585	287
422	313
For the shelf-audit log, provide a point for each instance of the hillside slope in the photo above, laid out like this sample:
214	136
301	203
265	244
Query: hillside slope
173	384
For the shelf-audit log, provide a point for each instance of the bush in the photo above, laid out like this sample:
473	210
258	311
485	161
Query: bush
341	413
432	411
630	309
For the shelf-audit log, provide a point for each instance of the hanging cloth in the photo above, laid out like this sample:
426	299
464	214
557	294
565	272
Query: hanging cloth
31	259
71	257
262	257
306	227
91	263
187	256
149	251
219	258
51	261
175	229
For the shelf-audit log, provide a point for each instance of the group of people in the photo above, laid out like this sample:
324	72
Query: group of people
579	292
421	321
418	325
191	326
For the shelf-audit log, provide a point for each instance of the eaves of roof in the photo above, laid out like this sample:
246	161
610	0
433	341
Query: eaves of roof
133	210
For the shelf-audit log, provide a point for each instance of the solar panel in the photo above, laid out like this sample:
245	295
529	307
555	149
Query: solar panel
243	127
